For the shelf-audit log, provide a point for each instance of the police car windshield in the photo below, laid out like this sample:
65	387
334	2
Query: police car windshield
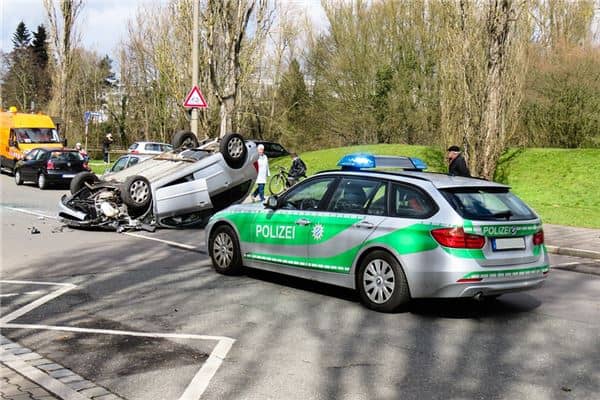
37	135
488	204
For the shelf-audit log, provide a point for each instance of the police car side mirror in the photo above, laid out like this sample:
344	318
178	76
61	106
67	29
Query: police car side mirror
272	202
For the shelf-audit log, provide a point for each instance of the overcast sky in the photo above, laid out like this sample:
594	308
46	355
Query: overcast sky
102	23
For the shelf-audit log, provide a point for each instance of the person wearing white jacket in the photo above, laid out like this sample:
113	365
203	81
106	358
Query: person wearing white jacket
263	173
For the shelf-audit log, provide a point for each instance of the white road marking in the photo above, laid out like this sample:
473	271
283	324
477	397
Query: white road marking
566	264
195	388
16	294
169	242
35	304
30	212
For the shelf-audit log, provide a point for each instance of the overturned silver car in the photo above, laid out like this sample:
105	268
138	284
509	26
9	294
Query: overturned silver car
178	188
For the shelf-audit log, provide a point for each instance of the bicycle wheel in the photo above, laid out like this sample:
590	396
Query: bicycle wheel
277	184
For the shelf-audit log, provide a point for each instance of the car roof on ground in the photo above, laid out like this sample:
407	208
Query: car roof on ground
439	180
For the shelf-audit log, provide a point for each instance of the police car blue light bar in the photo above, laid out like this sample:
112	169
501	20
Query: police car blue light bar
359	161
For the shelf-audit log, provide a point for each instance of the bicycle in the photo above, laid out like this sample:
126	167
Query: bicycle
281	181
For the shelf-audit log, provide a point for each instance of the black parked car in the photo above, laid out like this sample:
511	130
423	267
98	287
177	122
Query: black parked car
50	166
272	149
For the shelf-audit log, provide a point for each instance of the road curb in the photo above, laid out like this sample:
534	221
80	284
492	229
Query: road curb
568	251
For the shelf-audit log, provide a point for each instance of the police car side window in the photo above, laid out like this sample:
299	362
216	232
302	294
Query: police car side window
308	196
409	202
354	195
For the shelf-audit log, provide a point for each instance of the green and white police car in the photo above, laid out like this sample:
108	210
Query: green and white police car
392	236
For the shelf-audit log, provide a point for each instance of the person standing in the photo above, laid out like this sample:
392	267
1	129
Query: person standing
106	146
297	170
457	164
263	173
81	151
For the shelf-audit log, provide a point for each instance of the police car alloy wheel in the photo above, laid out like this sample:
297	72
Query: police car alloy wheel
381	282
225	251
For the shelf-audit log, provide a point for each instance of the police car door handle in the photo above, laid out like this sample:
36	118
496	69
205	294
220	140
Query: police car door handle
303	222
364	225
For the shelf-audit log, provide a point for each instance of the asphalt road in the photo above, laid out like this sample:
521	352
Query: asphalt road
294	339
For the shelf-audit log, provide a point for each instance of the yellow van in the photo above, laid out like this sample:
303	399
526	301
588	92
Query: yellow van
21	132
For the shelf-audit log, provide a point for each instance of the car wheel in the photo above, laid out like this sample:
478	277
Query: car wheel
184	140
18	177
277	184
136	192
78	182
224	251
381	282
42	181
233	148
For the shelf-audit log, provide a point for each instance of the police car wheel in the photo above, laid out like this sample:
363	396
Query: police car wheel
224	251
381	282
18	177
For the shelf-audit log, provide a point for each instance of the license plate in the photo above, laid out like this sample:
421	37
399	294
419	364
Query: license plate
68	175
517	243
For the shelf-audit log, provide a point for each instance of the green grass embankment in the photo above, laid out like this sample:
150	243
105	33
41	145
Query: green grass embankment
562	185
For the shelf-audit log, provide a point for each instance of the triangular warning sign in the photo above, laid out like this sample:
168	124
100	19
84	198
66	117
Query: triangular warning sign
194	99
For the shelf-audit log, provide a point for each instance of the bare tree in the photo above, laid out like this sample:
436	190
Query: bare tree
62	19
482	70
226	23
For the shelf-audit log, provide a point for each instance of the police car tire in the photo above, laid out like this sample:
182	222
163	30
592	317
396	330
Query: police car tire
184	140
78	182
224	235
18	177
233	148
400	295
133	192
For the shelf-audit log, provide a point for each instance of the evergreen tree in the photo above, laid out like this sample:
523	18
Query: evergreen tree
39	46
21	37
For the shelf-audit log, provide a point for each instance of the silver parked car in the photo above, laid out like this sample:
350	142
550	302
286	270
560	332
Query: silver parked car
149	148
173	189
392	236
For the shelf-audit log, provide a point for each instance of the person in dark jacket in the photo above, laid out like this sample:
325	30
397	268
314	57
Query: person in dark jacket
458	165
106	146
297	170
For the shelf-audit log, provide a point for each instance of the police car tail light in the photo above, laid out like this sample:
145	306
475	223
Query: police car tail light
255	165
538	238
50	164
457	238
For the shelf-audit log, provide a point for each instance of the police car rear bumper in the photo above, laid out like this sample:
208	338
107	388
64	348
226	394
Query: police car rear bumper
490	288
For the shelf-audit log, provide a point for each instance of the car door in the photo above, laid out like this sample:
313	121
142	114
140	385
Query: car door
188	196
354	211
282	236
31	164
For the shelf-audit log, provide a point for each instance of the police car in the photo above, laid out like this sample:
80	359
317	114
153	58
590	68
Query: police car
392	235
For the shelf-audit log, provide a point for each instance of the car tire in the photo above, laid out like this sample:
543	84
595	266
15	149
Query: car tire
18	177
224	250
136	192
381	282
184	140
78	182
42	182
233	148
